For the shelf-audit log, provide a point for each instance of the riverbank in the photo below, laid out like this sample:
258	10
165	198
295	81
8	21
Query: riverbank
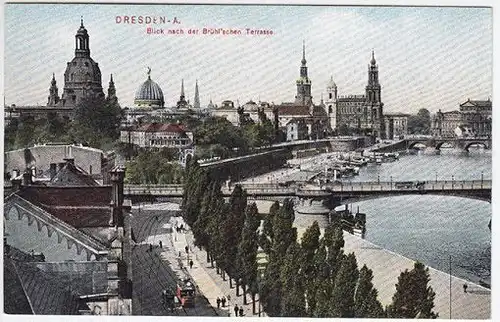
387	266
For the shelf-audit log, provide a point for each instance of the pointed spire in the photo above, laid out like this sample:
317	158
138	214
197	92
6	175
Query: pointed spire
373	61
81	22
196	103
304	61
182	88
111	79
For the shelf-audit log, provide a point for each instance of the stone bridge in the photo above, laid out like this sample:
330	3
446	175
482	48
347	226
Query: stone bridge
335	193
437	143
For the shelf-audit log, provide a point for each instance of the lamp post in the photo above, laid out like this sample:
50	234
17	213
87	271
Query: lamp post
436	177
482	177
391	182
452	183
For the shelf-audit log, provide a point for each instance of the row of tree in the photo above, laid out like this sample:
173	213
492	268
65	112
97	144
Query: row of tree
155	167
310	278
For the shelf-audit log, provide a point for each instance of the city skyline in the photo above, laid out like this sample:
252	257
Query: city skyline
432	58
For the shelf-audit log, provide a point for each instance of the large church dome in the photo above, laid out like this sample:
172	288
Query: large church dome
149	94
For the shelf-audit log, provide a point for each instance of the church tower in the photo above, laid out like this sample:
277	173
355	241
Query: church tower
182	104
331	103
82	77
111	90
303	97
374	100
53	92
196	104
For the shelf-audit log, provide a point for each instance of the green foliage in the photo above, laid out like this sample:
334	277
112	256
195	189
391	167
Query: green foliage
194	189
97	121
218	130
420	123
247	248
413	297
309	269
342	300
153	167
293	300
366	304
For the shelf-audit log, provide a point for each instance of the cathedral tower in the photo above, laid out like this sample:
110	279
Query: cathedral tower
303	96
331	103
374	100
182	104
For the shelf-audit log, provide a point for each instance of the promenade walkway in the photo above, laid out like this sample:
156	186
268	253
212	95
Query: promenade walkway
387	266
206	277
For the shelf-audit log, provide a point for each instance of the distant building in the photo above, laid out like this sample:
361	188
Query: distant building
477	116
82	79
314	116
67	245
158	135
473	115
359	113
396	125
296	130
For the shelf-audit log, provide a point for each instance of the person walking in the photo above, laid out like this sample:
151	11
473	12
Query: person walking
191	264
223	301
465	288
236	310
241	310
218	302
161	244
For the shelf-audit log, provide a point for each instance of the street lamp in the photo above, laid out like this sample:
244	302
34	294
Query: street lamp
452	181
391	182
436	177
482	177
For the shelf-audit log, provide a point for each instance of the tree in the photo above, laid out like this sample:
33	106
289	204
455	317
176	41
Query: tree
97	121
293	300
342	300
366	304
266	237
309	246
247	251
236	220
413	297
420	123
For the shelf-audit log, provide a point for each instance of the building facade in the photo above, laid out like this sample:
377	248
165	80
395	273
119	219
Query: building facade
361	114
474	118
396	125
158	135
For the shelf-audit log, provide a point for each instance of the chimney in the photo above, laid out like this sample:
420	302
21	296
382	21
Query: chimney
117	182
53	170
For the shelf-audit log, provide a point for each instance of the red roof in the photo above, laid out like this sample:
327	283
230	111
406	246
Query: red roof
85	206
160	127
293	110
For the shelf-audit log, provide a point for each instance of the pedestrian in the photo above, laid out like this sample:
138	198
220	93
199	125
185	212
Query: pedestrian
218	302
465	288
150	247
161	245
236	310
187	249
223	301
179	253
191	264
241	311
182	227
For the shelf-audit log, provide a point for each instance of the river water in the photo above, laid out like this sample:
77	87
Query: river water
433	228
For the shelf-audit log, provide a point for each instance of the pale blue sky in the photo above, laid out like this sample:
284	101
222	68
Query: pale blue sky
428	57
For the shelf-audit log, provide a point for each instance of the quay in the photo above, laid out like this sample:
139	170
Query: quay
387	266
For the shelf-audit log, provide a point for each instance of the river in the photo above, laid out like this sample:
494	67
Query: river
433	228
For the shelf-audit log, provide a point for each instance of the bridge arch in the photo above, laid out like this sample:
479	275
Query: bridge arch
440	144
483	144
413	145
